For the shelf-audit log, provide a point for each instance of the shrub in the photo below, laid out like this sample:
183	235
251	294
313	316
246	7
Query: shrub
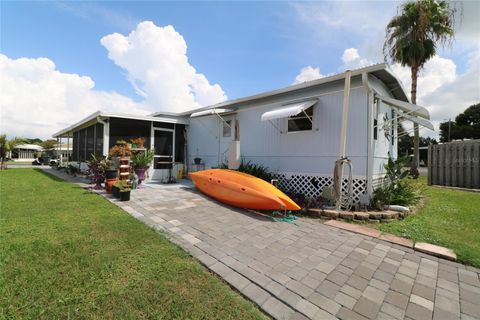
256	170
396	188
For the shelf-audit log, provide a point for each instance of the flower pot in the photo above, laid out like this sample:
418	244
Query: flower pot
124	195
115	191
140	174
111	173
109	184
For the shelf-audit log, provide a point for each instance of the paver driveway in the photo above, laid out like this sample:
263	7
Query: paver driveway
309	270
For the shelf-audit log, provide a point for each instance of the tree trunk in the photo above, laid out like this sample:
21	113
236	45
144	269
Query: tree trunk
416	151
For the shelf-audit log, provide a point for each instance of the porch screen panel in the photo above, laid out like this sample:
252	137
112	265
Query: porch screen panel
90	149
81	145
179	143
99	139
75	146
163	148
126	129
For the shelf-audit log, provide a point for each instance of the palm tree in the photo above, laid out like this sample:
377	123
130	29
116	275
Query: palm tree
412	38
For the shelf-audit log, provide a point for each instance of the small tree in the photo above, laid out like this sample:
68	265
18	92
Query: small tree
8	145
465	126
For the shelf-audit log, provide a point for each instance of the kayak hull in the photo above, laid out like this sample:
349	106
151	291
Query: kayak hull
241	190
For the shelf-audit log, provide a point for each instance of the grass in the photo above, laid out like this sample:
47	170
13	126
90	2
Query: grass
67	253
445	217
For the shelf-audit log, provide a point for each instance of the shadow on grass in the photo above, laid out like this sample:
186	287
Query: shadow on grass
49	175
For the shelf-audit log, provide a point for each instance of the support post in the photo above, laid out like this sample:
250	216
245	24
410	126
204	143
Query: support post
343	140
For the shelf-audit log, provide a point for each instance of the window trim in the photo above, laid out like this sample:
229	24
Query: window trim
302	115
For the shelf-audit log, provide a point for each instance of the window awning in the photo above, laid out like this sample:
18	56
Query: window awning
288	110
422	122
409	108
210	112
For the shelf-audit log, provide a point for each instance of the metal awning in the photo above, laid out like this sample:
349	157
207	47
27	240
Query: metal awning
210	112
410	108
288	110
422	122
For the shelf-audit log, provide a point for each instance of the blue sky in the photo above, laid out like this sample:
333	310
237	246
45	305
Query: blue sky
244	47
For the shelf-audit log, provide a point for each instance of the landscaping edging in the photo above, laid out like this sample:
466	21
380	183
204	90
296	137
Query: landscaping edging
360	216
427	248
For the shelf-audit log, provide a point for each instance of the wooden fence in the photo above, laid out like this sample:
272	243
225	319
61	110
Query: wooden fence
455	164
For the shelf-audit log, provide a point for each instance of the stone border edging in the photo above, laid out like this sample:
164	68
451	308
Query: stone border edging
427	248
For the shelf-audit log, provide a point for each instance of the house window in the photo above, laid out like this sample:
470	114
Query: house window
302	121
375	129
227	128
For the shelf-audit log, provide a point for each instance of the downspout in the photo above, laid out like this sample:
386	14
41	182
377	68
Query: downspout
106	135
369	134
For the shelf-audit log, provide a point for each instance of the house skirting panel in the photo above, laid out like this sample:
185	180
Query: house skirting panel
312	185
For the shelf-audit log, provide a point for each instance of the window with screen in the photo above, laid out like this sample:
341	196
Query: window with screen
302	121
90	149
227	128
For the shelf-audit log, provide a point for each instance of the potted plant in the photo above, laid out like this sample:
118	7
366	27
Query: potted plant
119	186
197	160
120	150
125	194
110	171
96	170
141	161
138	143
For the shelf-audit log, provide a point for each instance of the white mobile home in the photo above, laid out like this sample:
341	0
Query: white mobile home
295	131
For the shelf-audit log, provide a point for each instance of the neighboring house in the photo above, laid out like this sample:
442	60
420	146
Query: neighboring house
294	131
25	152
62	151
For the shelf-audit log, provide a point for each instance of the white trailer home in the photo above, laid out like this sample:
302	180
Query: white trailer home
295	131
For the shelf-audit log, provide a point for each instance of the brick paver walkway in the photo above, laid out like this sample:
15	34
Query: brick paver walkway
309	270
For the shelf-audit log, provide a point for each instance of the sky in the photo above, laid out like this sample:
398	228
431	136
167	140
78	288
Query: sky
61	61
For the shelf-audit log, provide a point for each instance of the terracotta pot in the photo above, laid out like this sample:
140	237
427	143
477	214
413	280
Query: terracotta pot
109	184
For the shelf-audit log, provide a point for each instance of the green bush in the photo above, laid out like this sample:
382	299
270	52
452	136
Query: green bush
256	170
396	188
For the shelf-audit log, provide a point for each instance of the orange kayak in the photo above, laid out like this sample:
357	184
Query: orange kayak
241	190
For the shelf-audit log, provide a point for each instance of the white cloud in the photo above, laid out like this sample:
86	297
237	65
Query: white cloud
37	99
307	74
352	60
157	65
441	90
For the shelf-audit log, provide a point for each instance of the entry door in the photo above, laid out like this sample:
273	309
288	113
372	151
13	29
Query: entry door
227	134
164	153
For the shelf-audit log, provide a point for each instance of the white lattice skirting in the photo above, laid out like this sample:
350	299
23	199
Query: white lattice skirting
312	185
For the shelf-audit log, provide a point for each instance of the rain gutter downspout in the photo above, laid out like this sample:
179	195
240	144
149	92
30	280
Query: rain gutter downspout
370	142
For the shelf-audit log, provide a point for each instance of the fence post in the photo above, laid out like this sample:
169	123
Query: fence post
429	170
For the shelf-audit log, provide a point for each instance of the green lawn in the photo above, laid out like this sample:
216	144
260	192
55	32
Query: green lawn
447	217
67	253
